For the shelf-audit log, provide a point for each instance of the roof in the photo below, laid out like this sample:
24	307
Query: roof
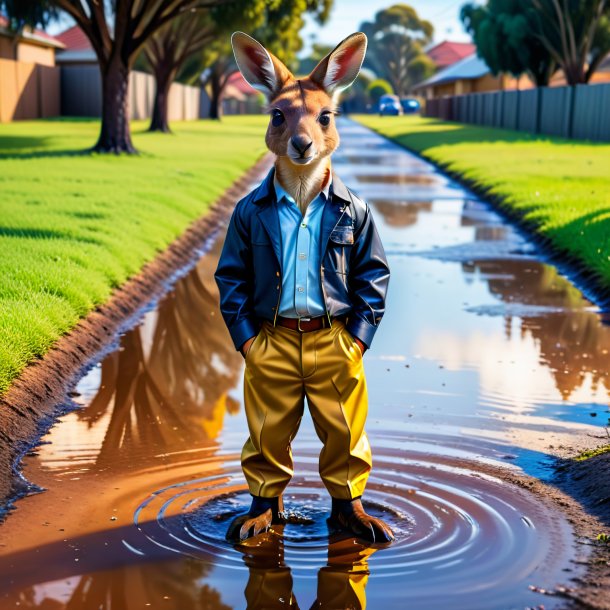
74	39
447	53
35	36
237	80
78	48
469	68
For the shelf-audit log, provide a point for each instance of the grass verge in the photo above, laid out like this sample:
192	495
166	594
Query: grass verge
75	226
559	189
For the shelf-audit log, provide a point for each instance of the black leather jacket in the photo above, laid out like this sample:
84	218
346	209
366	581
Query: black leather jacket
354	269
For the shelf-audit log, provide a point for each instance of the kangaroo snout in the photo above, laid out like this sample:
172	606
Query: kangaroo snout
302	149
301	143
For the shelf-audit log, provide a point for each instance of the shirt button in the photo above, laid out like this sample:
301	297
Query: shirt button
303	225
301	289
302	255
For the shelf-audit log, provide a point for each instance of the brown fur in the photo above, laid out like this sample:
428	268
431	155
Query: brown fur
302	101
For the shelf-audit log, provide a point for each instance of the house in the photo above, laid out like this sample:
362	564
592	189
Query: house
77	48
468	75
33	46
28	75
446	53
238	97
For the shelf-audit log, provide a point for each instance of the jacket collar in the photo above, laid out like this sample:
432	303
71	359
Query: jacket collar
266	190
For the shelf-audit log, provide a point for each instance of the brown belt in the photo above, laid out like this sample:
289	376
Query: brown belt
304	325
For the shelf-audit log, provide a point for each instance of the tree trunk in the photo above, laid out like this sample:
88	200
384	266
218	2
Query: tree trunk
115	136
216	97
163	81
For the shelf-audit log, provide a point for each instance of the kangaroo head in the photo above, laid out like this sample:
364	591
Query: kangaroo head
301	129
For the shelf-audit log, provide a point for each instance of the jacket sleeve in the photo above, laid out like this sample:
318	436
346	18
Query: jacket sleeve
234	279
369	275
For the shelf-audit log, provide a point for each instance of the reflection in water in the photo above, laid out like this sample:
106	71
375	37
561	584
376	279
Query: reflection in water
401	215
167	385
341	583
175	585
571	341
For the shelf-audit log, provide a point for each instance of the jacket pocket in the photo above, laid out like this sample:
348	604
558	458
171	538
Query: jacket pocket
343	235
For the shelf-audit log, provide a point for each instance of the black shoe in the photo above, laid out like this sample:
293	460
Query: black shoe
263	513
350	515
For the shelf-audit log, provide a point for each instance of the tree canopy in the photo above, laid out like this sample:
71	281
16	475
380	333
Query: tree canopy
537	36
397	37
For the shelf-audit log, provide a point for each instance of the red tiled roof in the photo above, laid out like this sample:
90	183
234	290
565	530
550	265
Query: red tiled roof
237	80
447	53
74	39
4	23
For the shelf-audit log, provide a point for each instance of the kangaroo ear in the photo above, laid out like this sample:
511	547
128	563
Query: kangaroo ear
339	69
261	69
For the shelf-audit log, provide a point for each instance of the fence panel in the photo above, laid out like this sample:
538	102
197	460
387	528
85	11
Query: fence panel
527	115
81	91
555	110
591	119
27	90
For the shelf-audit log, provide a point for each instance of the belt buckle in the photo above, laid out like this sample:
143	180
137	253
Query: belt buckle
299	323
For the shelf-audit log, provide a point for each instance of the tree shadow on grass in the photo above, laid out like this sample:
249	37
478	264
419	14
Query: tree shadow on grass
33	147
36	233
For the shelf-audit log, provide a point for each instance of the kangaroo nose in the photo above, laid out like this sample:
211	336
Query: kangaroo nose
301	144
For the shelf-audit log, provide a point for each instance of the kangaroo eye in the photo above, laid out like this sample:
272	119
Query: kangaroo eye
277	118
324	119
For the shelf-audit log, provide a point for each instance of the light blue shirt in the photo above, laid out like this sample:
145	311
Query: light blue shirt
301	286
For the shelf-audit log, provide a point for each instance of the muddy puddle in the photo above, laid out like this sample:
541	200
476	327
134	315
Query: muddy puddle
487	360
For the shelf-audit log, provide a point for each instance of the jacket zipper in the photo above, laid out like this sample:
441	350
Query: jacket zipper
330	322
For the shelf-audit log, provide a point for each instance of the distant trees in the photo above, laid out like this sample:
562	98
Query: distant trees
397	37
377	88
167	51
537	36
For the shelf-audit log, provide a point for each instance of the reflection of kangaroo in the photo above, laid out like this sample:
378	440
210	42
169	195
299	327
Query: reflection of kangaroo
303	278
341	583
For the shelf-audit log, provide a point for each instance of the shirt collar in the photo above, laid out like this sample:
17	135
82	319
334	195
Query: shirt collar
280	192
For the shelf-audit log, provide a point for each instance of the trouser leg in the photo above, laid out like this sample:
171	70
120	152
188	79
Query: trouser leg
338	401
274	399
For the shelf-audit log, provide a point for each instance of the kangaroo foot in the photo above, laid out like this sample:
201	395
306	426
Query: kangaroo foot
350	515
263	513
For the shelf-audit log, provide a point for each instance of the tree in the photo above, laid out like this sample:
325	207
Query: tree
277	27
117	31
167	51
507	38
397	38
377	88
576	33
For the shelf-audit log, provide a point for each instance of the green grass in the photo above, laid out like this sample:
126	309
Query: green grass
589	453
75	226
559	188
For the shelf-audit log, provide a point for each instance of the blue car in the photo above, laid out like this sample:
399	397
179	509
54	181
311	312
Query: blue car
410	105
389	105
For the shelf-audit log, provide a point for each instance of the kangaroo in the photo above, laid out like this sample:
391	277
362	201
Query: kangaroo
334	325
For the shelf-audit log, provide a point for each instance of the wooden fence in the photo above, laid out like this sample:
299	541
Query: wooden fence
579	111
28	90
81	95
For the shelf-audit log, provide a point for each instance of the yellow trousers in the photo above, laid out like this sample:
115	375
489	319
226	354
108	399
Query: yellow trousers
283	367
